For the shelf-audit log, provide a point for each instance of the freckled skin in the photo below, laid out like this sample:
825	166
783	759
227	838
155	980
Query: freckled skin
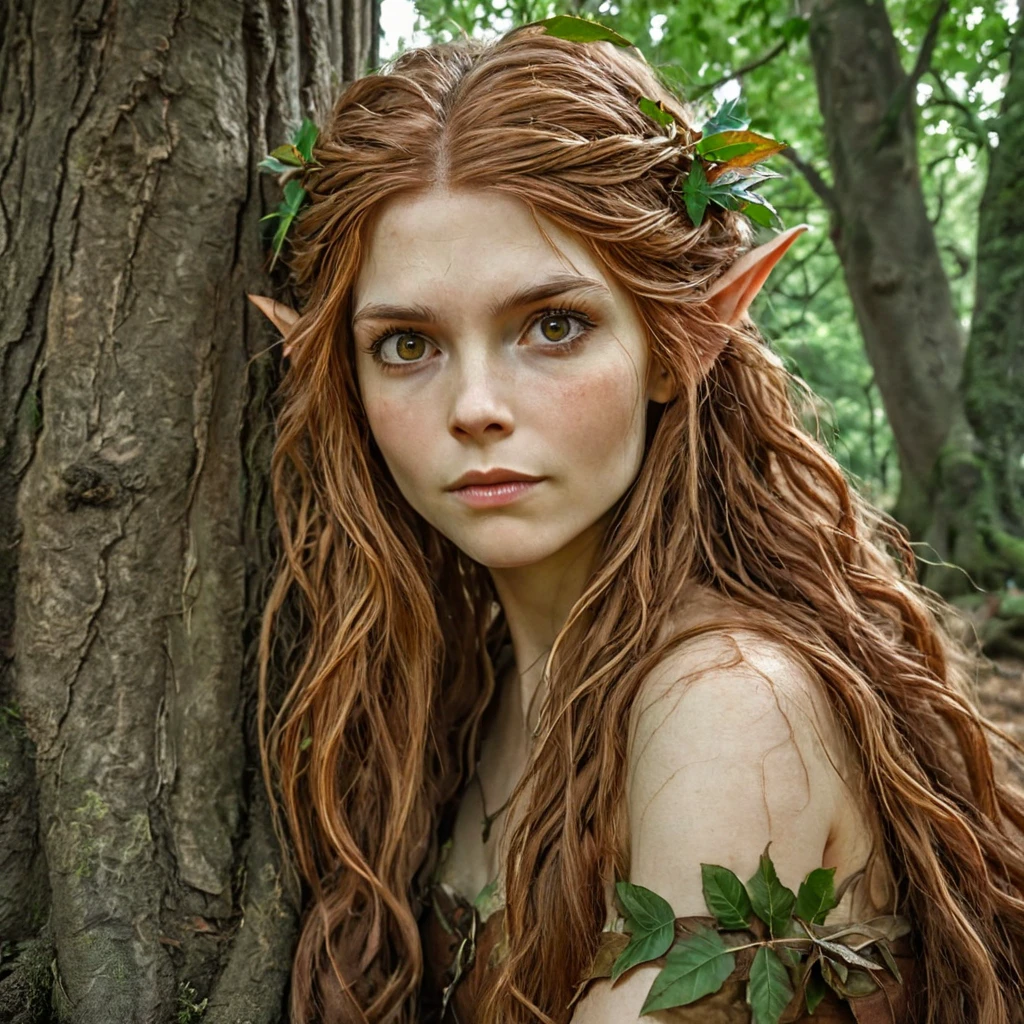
488	391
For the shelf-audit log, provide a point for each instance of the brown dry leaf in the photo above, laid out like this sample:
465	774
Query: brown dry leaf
610	949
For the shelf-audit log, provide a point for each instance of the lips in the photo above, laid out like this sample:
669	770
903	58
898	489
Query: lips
492	476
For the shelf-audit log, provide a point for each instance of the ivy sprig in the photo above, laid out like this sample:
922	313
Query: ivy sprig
797	953
290	161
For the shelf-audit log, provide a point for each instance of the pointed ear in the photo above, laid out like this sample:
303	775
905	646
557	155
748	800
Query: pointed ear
731	295
281	316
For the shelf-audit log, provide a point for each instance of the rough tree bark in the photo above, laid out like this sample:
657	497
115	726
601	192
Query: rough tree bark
139	876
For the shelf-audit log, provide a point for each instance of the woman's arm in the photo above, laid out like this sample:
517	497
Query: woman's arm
732	748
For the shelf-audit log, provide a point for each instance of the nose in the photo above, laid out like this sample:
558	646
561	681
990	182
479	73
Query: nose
479	408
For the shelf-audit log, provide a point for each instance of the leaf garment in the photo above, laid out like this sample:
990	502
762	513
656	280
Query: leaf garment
461	948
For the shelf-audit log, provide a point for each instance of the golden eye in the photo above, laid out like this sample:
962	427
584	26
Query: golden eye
554	328
409	347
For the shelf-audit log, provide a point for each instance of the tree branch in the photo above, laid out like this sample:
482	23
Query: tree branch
924	54
821	188
949	99
900	97
809	293
799	261
740	72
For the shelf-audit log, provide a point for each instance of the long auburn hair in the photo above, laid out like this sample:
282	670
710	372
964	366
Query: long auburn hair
379	726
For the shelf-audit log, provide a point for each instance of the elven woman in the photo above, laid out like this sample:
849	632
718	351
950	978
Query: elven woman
582	600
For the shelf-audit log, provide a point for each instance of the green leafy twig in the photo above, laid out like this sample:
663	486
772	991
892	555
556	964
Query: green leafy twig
189	1011
798	954
723	172
791	28
290	161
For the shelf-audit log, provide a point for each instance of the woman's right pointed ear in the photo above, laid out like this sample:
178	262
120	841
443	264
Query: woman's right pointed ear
281	316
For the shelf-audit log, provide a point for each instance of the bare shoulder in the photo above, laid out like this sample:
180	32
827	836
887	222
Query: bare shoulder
732	745
720	666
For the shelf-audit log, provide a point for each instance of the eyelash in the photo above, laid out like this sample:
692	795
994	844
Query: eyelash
559	348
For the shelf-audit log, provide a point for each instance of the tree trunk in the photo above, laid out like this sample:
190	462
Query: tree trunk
957	417
139	875
884	239
985	501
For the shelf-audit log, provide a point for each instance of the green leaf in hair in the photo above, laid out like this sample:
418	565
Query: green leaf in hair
582	30
656	111
737	148
730	116
305	139
288	159
286	212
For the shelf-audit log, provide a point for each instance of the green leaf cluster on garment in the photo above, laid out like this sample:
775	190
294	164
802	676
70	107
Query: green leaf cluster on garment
792	957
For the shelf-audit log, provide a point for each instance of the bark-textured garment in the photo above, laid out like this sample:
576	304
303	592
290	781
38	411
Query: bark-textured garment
460	951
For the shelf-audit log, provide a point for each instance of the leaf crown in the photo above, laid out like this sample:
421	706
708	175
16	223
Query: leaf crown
724	152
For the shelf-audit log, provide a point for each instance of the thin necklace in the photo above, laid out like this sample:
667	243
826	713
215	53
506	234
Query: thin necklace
489	819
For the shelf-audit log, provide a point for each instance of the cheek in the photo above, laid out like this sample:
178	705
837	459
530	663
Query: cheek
402	434
597	420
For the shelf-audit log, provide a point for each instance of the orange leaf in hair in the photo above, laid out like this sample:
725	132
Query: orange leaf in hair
733	149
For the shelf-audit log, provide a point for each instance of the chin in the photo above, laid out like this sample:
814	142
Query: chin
496	548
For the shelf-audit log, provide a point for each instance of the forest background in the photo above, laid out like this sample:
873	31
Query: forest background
140	878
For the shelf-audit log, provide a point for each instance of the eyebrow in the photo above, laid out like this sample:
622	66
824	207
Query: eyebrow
521	297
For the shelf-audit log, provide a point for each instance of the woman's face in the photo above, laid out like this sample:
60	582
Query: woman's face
498	347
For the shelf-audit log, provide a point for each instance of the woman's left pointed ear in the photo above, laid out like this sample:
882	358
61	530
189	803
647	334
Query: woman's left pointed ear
731	295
